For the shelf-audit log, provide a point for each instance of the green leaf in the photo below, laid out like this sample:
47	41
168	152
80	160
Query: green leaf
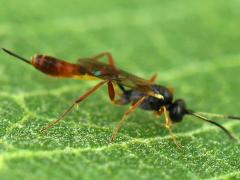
192	45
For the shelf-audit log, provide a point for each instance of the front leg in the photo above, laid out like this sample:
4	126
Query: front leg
168	126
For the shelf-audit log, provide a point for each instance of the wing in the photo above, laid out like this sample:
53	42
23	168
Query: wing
118	76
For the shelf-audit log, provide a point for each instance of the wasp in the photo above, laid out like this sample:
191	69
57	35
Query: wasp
138	92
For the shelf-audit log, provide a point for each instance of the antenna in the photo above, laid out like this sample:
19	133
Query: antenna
219	115
15	55
199	115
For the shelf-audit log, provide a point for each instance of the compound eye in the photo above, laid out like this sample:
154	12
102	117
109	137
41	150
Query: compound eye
177	110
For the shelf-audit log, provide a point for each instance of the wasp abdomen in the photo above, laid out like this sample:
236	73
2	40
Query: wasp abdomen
55	67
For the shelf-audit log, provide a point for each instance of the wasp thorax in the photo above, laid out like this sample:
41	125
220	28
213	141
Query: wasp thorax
165	92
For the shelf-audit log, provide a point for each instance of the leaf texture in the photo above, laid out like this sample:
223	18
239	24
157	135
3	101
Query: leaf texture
192	45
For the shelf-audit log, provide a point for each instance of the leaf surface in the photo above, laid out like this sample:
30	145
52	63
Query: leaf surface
193	46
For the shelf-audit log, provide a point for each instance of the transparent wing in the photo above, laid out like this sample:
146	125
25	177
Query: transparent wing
118	76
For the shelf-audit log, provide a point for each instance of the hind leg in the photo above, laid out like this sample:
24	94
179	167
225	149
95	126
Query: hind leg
76	102
101	55
112	92
109	57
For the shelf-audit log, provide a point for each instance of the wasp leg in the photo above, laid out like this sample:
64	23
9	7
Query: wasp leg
112	92
120	102
168	126
109	57
99	56
159	112
124	118
153	78
80	99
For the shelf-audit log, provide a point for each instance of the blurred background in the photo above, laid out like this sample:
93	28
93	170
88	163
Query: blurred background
193	46
147	36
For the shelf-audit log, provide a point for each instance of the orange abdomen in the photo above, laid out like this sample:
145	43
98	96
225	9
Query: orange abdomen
55	67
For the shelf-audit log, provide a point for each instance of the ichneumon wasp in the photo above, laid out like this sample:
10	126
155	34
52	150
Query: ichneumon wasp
136	91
